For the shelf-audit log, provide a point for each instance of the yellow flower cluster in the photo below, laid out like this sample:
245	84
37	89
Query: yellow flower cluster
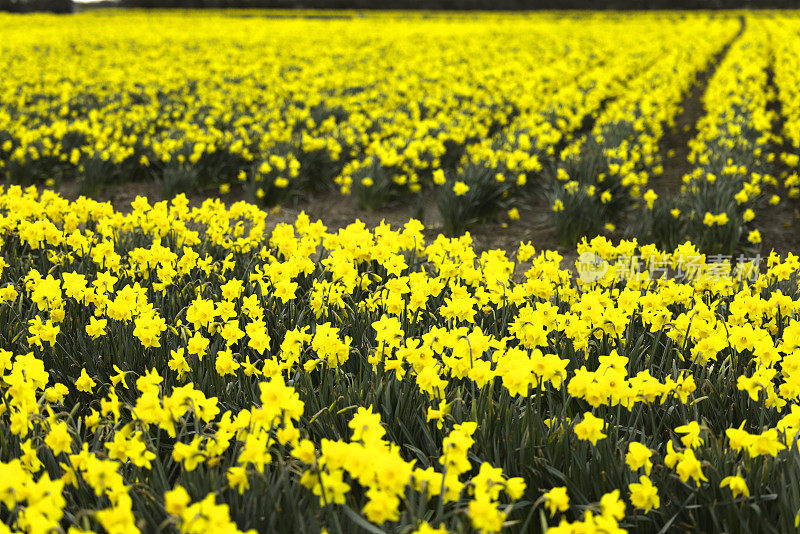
187	367
384	106
285	104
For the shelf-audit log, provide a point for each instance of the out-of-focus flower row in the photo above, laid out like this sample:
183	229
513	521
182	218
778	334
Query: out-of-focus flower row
479	112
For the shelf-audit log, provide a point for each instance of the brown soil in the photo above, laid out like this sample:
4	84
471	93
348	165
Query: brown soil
780	227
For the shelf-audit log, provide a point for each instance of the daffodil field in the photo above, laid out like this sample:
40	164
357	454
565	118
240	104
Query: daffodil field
199	366
386	108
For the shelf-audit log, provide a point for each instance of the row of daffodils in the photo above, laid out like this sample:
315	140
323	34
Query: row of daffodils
404	108
196	369
732	154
